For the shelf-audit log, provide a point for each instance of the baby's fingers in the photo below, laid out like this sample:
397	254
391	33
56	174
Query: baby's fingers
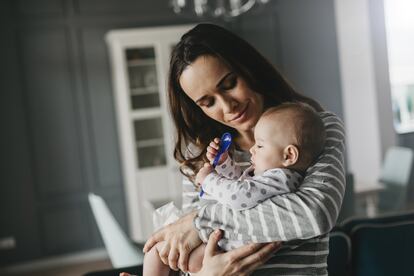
211	155
215	143
212	150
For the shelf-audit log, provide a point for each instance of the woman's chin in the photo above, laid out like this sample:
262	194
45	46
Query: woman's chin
244	127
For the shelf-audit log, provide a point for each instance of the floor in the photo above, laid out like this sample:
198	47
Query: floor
67	270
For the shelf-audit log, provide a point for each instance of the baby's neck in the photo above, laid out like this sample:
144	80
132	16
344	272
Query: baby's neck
299	168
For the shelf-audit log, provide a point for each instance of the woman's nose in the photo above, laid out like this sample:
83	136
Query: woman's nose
252	150
229	105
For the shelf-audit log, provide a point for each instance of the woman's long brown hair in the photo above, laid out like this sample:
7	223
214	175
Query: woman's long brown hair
191	124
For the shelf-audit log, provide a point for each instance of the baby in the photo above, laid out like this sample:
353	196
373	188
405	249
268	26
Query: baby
288	139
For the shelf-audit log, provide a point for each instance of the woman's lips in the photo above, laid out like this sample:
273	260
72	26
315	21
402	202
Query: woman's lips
241	116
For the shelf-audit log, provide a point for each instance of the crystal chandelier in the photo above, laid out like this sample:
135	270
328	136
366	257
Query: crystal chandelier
226	9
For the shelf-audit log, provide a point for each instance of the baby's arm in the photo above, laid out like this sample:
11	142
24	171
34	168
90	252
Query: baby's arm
225	166
246	193
229	169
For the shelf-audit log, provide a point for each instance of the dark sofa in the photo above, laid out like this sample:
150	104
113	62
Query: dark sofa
381	246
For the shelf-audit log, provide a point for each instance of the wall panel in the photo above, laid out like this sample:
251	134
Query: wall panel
41	7
48	83
97	82
65	228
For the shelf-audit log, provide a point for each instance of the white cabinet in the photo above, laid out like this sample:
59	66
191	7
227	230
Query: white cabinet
140	59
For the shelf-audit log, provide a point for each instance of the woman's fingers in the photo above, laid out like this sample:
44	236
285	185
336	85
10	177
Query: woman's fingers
180	238
164	253
153	240
237	262
173	256
183	258
186	246
211	247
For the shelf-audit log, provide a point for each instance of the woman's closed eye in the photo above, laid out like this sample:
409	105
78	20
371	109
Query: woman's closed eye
207	103
229	83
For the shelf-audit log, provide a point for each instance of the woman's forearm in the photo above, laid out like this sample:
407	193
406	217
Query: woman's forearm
309	212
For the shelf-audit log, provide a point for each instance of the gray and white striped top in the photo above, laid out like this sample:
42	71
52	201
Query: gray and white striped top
301	219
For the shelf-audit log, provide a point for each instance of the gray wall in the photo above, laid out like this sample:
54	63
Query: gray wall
17	200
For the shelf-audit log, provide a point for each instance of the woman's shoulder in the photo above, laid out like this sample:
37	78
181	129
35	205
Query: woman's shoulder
191	150
329	119
327	114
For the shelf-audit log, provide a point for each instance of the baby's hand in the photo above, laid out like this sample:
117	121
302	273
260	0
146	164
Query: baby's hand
202	173
212	151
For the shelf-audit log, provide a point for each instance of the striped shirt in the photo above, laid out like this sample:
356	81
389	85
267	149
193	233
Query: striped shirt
302	220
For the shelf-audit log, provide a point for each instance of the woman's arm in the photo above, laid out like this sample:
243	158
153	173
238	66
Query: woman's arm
309	212
241	261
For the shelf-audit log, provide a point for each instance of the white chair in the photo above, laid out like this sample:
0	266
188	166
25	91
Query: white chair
121	250
395	176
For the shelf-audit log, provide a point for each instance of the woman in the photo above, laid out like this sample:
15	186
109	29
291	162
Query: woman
219	83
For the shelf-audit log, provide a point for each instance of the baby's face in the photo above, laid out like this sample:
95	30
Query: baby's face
270	142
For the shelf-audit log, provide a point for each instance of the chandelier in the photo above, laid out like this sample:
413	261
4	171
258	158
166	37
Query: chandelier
226	9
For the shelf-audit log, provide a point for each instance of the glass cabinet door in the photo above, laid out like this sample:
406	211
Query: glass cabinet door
142	75
149	139
144	96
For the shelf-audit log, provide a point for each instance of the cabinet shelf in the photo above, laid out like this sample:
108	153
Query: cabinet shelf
141	62
137	91
146	113
149	143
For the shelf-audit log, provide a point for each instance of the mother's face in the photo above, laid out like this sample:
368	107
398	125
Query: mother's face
221	94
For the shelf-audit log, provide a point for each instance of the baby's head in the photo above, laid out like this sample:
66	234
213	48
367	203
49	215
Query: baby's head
290	135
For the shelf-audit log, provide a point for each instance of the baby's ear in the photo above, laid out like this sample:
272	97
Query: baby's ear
290	155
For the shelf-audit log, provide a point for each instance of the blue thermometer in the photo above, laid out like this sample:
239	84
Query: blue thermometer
225	142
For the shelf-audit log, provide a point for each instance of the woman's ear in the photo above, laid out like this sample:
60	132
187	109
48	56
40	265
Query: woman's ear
290	155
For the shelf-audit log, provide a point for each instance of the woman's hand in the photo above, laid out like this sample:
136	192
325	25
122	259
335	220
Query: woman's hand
241	261
181	238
